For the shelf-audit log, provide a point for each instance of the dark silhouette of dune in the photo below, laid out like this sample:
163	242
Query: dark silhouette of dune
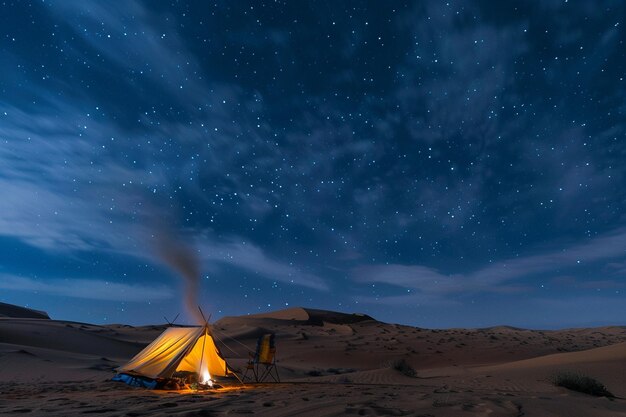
10	310
310	316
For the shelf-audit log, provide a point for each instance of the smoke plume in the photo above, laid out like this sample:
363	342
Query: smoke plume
184	260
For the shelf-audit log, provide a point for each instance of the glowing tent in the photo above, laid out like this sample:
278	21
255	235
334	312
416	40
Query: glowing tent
179	349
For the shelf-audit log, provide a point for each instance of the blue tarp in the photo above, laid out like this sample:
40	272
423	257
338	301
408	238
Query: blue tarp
134	381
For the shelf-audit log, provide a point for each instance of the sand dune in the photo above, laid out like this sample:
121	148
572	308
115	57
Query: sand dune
66	336
616	352
330	363
607	364
305	316
10	310
296	313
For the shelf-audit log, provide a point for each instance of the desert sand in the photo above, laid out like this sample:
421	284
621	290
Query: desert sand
331	364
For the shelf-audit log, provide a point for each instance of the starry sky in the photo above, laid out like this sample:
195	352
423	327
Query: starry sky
432	163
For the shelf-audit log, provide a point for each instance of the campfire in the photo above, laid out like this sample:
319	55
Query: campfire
205	380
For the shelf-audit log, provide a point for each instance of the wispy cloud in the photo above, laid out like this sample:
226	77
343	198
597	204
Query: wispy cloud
88	289
64	189
499	277
139	40
251	258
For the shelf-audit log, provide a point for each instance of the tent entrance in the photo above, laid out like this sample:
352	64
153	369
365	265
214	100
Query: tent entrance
203	356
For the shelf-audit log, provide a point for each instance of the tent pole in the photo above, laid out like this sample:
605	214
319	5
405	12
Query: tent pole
203	316
203	342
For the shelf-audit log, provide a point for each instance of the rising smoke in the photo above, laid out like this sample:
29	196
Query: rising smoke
184	260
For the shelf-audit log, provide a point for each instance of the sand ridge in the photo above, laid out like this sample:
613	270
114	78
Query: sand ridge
10	310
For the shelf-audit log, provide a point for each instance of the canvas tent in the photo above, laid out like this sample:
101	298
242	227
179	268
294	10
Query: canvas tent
178	349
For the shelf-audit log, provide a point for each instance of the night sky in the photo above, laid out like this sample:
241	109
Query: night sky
432	163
